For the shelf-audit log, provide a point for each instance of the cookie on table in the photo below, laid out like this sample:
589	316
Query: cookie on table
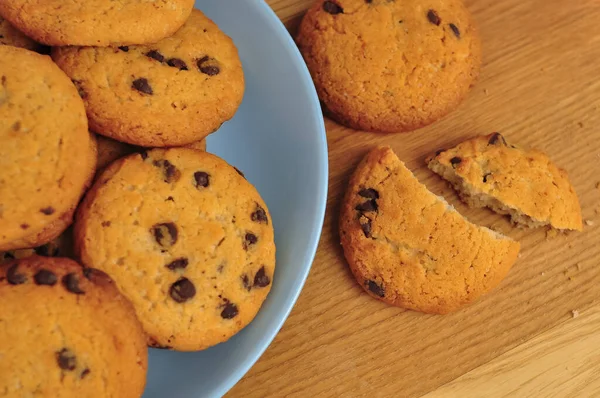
390	66
524	184
186	238
409	248
67	332
48	156
11	36
170	93
110	150
96	22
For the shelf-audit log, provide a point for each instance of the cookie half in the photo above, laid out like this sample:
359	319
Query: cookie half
67	332
170	93
390	66
186	238
524	184
410	248
47	155
96	22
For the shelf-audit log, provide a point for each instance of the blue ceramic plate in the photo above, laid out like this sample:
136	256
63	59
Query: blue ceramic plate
277	138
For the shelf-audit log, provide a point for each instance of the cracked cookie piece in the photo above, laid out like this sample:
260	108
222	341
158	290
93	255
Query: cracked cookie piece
66	331
47	155
96	22
11	36
390	66
170	93
524	184
409	248
186	238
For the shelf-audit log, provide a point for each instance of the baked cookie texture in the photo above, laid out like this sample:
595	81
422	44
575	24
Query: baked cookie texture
409	248
67	332
96	22
11	36
390	66
47	156
170	93
524	184
186	238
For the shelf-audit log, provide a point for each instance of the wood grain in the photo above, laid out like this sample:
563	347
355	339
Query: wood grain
540	87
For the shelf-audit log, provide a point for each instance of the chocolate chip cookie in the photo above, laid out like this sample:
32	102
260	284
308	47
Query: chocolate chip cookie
410	248
42	126
66	331
170	93
390	66
11	36
96	22
186	238
525	184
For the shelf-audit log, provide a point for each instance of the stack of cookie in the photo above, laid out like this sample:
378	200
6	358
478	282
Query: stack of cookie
175	243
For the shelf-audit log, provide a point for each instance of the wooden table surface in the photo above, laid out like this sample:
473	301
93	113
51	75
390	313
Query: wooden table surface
538	334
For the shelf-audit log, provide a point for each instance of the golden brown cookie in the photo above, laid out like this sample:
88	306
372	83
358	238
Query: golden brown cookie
525	184
410	248
67	332
170	93
96	22
186	238
390	66
48	156
10	36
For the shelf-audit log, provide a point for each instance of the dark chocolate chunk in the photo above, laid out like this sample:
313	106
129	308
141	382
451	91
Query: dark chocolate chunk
14	277
210	70
177	63
259	215
45	277
249	239
366	227
154	54
142	86
66	359
182	290
47	210
230	311
375	288
124	48
497	138
485	177
261	279
455	30
165	234
369	193
179	263
24	226
433	17
332	8
201	179
106	223
170	172
369	205
71	283
455	160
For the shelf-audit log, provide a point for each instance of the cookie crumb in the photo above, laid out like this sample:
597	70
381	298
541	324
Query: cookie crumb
589	223
574	313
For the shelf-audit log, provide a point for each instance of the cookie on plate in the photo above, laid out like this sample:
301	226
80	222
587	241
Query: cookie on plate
11	36
170	93
110	150
96	22
410	248
525	184
186	238
390	66
48	156
67	332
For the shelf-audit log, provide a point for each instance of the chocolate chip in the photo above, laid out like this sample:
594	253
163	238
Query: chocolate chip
332	8
165	234
366	227
71	283
154	54
455	160
369	193
497	138
182	290
47	210
375	288
369	205
170	199
485	177
239	172
246	282
433	17
106	223
13	277
177	63
85	372
261	279
170	172
201	179
249	239
80	90
259	215
124	48
66	359
210	70
142	86
94	274
230	311
179	263
45	277
24	226
455	30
